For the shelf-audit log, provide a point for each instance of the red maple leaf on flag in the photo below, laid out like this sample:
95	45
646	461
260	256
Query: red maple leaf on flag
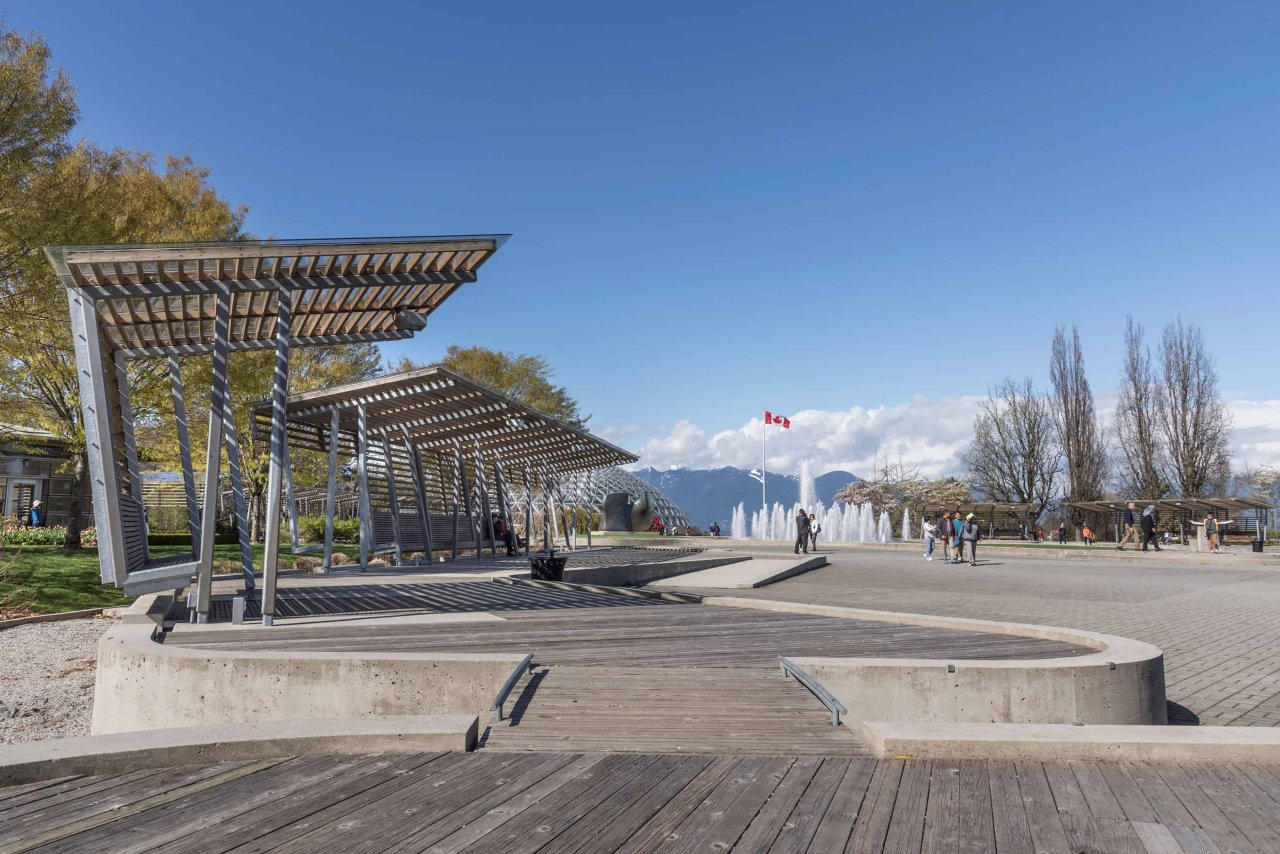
770	418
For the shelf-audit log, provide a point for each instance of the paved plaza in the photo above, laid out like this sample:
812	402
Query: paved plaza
1218	624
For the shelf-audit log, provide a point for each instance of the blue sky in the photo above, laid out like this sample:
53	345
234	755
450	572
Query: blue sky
724	207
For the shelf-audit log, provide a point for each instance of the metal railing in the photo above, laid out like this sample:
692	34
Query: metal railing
524	666
837	708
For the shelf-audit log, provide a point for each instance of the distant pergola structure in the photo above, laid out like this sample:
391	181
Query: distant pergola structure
1187	510
985	512
437	456
168	301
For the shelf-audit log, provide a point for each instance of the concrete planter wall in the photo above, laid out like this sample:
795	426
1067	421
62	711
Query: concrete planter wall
1120	682
143	685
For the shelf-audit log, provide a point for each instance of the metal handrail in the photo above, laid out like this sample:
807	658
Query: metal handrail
837	708
525	664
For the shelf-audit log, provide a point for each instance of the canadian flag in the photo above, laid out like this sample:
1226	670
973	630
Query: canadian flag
770	418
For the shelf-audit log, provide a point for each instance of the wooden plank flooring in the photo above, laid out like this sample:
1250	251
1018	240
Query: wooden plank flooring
603	630
668	710
573	802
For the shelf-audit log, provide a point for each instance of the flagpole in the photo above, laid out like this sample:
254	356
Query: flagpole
764	464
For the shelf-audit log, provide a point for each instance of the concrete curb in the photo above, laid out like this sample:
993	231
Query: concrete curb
50	618
759	572
120	752
1056	743
1120	682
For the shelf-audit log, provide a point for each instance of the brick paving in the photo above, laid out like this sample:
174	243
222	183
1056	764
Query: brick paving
1219	627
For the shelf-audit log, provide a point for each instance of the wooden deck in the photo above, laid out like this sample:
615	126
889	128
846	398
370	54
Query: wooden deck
599	629
623	674
563	802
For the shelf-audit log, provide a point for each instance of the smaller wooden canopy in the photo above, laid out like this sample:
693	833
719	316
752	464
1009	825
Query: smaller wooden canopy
438	407
1015	509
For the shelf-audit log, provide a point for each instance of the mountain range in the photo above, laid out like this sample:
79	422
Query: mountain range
709	495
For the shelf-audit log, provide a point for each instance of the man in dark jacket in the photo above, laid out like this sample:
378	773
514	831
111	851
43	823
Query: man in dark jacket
1149	528
802	532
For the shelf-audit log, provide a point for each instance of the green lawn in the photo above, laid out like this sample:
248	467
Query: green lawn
45	579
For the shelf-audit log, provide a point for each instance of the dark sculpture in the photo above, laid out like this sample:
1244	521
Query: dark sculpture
623	514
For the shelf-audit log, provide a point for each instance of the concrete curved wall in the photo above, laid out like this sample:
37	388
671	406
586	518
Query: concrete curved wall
142	684
1120	682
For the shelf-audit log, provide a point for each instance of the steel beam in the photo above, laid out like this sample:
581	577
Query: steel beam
331	492
213	456
237	493
275	471
99	445
184	450
392	499
362	467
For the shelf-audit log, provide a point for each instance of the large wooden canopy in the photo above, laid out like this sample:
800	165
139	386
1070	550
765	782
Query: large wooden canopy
438	407
1175	505
160	299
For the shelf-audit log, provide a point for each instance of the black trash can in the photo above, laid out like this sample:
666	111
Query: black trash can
547	567
1257	545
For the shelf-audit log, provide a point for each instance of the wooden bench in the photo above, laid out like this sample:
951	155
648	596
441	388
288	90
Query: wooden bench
133	522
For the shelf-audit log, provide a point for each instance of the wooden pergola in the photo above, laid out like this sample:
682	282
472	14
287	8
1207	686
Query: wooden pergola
182	299
1184	510
430	442
987	512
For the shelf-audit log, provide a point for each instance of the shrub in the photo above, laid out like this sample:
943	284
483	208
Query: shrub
339	559
308	564
89	536
311	530
20	535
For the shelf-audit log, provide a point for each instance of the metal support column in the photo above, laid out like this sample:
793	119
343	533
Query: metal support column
466	494
290	498
213	454
419	490
99	446
184	450
482	484
362	470
279	436
331	491
504	499
132	470
528	509
392	498
237	492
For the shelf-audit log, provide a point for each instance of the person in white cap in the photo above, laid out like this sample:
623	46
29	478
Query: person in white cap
37	514
970	534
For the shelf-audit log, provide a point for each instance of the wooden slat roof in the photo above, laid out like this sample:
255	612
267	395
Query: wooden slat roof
159	299
438	406
1174	505
976	508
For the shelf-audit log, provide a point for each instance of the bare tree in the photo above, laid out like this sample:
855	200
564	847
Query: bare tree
1076	421
1014	457
1138	420
1193	421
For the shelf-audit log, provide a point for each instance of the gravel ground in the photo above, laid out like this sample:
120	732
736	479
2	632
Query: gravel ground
46	679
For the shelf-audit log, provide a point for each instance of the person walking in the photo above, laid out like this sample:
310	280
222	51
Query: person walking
1211	532
1062	533
930	530
37	514
802	532
1087	533
943	533
970	533
957	544
1130	527
1149	528
814	530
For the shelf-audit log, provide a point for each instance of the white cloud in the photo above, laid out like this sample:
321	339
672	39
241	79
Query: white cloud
922	432
930	434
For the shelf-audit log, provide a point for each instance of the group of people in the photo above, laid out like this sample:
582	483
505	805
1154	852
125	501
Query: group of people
954	533
807	530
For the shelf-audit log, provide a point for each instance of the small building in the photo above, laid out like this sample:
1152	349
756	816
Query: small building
35	465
